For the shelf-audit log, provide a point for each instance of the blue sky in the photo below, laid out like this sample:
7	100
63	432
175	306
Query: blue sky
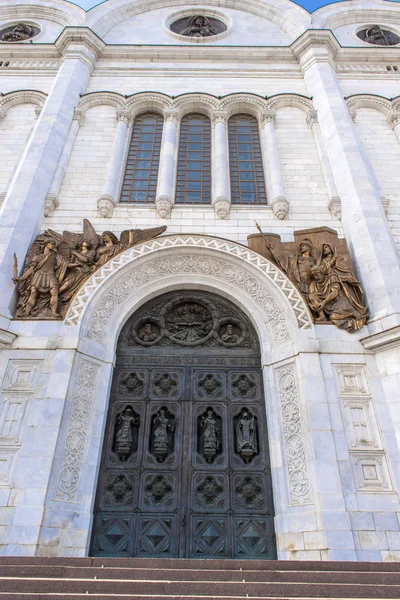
310	5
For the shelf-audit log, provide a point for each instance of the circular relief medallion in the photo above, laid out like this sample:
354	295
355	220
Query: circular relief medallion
188	322
198	26
18	33
375	34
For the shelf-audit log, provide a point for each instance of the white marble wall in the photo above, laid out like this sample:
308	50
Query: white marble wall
345	387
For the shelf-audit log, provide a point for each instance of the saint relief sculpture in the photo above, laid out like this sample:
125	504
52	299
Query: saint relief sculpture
198	26
210	435
321	273
57	265
20	33
335	294
246	436
164	428
123	438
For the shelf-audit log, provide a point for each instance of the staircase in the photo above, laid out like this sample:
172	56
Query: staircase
25	578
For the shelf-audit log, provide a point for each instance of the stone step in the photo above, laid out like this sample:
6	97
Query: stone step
204	564
40	596
193	588
177	575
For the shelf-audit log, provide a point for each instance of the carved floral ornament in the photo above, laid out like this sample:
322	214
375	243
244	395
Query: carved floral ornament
232	263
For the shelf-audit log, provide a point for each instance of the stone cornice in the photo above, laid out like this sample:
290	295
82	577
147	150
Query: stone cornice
315	45
382	341
73	37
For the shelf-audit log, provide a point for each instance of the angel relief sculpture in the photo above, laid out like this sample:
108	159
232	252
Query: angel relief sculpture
57	265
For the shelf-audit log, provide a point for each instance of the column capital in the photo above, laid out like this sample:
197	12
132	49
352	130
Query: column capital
219	116
268	116
172	115
312	117
124	116
315	46
79	115
393	118
81	43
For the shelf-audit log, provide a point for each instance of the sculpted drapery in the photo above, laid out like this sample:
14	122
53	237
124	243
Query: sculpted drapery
58	264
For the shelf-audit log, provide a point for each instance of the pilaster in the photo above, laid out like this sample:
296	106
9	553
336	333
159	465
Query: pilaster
334	204
24	205
363	219
108	199
220	165
275	188
167	169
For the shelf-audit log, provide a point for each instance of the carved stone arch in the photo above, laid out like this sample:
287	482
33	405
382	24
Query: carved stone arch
289	17
196	103
101	98
148	102
396	103
21	97
116	290
379	103
56	11
334	16
251	104
289	100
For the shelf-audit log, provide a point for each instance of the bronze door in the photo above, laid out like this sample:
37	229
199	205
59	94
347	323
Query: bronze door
185	467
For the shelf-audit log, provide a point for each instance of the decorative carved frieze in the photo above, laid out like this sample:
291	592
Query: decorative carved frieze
367	454
319	264
58	264
77	431
293	436
222	207
17	389
335	207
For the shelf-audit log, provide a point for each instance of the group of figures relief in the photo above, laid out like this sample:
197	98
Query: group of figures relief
18	33
162	434
126	433
323	275
57	265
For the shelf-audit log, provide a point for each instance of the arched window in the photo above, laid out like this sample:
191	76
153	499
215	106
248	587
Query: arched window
246	169
141	172
194	164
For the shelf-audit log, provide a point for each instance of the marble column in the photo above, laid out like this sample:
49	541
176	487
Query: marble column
334	200
52	197
273	172
167	169
108	199
22	211
220	166
364	224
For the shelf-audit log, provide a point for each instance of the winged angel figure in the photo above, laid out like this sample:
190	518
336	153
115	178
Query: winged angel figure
57	265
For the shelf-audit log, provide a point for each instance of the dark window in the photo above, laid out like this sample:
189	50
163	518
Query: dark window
246	169
194	164
141	172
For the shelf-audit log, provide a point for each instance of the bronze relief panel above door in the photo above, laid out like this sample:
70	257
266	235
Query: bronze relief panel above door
185	468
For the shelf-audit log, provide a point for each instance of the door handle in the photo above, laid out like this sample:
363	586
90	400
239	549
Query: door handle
183	520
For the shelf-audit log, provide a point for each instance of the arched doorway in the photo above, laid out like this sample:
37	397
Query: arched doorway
185	467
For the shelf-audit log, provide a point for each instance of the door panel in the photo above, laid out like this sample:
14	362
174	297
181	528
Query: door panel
185	466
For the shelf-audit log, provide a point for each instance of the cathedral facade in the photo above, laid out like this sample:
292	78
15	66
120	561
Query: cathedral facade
200	279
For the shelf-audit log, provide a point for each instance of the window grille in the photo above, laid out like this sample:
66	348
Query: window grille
141	172
194	163
246	168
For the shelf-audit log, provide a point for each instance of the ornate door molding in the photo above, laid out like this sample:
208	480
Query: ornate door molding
185	467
